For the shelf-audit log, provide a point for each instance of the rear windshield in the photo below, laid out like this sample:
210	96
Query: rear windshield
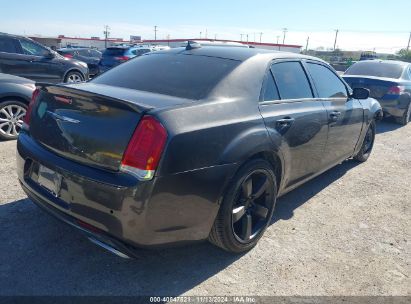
185	76
375	68
113	52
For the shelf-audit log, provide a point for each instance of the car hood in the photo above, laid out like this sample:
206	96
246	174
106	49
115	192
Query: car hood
6	78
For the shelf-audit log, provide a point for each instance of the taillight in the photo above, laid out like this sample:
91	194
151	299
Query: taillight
395	90
144	150
68	56
122	58
26	119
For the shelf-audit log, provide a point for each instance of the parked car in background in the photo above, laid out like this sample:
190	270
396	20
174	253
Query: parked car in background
24	57
368	55
388	81
115	55
197	144
90	56
15	95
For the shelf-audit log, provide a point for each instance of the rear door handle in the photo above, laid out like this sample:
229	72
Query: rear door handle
334	116
284	123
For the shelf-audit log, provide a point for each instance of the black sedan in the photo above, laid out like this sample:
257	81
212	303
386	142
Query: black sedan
90	56
388	81
197	145
15	95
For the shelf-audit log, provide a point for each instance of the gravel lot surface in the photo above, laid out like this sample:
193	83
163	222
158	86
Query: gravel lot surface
347	232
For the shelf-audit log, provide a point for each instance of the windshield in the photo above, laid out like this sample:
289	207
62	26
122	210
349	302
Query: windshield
179	75
376	68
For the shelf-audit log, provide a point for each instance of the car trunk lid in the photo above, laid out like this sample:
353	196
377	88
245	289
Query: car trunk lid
87	124
378	86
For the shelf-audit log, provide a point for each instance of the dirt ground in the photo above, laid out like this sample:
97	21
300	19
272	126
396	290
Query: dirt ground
347	232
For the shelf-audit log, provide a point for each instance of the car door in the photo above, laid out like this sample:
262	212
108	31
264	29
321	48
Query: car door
345	114
39	67
12	60
296	121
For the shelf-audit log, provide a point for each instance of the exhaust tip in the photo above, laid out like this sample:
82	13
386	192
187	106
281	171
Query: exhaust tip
109	248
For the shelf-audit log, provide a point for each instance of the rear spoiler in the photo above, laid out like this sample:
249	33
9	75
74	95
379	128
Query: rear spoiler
62	88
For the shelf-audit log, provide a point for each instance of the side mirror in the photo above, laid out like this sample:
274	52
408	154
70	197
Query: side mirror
49	55
360	93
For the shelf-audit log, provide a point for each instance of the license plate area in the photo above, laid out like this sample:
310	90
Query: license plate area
48	179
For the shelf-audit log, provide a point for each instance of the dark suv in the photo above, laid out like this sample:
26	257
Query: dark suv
24	57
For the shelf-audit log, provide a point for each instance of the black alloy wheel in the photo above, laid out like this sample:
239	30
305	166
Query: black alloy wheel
247	208
367	144
252	204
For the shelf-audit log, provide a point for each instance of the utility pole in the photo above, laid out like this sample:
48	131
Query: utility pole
106	34
278	38
285	30
247	38
306	46
241	37
335	41
206	34
215	36
155	32
261	35
409	40
200	34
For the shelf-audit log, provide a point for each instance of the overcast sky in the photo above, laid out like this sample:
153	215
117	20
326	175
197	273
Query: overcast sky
363	25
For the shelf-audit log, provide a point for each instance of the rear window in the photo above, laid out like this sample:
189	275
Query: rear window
8	45
114	52
376	68
179	75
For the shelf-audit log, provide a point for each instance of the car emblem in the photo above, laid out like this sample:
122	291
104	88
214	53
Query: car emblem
62	118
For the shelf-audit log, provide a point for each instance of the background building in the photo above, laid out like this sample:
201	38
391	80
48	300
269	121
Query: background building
101	43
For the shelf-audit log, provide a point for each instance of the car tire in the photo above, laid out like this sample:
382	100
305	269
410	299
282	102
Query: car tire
367	144
406	118
246	209
74	77
12	113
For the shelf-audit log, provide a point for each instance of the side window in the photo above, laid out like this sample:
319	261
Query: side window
8	45
327	83
84	53
95	53
291	80
270	89
31	48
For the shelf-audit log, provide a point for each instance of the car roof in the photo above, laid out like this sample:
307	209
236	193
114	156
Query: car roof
397	62
74	49
240	54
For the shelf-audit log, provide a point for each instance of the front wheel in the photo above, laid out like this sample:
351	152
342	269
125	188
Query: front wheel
74	77
246	209
367	144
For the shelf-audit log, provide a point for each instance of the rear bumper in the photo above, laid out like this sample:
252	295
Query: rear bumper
167	210
395	107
